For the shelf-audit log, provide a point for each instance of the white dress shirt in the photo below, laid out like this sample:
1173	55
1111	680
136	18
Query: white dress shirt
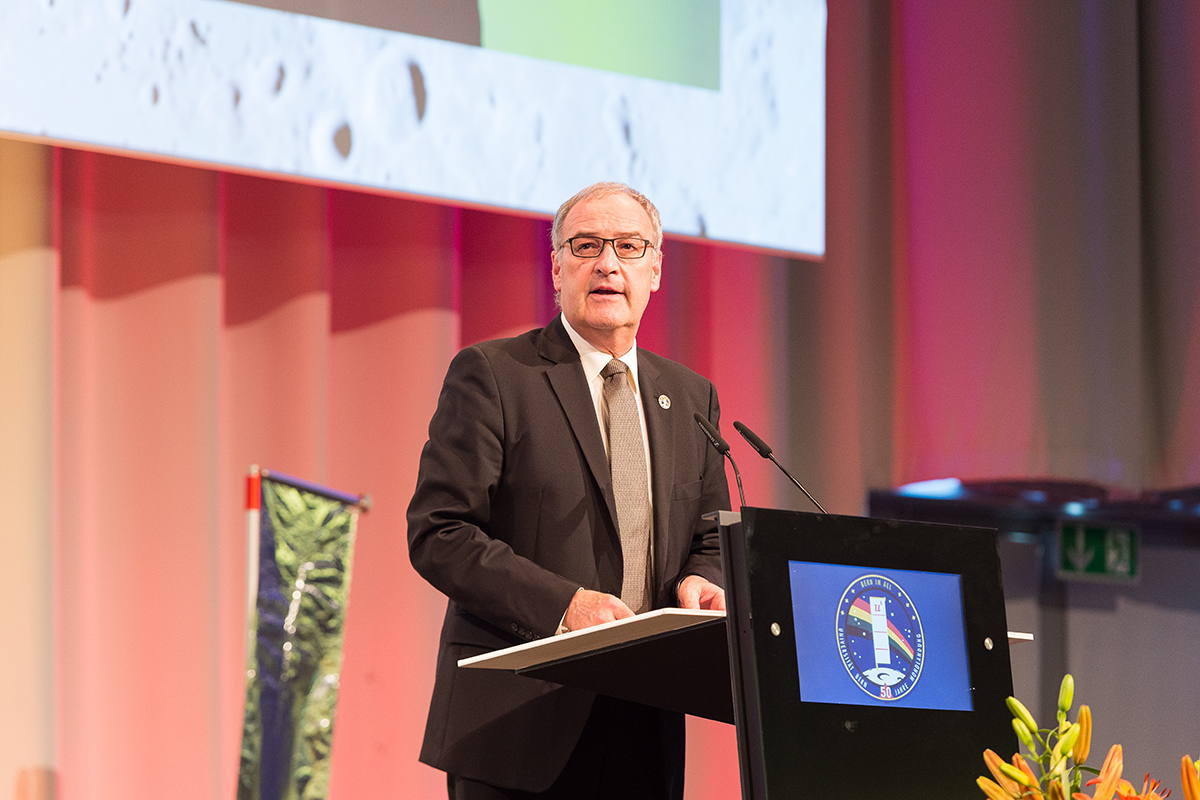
594	360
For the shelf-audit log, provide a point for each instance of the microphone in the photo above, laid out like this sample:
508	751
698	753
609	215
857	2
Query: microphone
721	446
764	450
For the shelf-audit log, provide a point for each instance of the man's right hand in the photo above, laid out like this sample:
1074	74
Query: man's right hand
590	608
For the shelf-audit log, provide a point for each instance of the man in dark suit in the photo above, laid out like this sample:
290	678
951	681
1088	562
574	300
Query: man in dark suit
519	518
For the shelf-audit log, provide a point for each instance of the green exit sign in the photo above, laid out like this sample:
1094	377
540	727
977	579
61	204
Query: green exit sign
1094	551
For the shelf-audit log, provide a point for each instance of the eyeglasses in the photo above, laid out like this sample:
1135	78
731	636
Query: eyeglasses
593	246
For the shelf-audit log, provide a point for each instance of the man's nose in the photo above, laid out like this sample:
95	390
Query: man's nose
608	262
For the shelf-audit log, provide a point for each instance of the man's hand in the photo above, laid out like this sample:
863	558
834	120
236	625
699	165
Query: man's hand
590	608
696	592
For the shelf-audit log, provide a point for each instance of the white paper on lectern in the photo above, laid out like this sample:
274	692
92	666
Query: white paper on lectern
543	651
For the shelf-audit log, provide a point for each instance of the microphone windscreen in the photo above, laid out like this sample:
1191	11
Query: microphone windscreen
760	447
714	436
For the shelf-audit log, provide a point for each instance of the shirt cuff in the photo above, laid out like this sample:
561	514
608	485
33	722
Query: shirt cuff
561	627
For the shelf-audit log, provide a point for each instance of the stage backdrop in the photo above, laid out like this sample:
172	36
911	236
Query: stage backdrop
1011	289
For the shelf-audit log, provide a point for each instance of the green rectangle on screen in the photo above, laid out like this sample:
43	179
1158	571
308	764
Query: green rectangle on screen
667	40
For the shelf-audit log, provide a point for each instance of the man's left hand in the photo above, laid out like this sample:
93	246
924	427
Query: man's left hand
696	592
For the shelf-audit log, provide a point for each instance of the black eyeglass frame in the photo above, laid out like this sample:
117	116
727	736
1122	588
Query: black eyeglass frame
646	245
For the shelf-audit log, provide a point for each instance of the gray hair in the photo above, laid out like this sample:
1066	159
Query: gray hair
604	189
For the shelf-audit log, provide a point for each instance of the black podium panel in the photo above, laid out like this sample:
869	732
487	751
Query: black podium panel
864	743
683	670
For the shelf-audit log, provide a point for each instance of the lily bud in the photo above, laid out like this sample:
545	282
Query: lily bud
1067	743
1019	711
1020	764
1083	744
1023	733
1066	693
1190	779
1015	773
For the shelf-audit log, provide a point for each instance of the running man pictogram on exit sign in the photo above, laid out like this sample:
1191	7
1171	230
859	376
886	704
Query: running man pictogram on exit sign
1097	551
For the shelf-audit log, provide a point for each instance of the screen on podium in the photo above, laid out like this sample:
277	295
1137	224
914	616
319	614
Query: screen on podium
880	637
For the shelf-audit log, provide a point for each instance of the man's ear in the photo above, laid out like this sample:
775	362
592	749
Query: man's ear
555	271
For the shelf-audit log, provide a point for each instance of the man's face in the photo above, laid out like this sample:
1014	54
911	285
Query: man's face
603	298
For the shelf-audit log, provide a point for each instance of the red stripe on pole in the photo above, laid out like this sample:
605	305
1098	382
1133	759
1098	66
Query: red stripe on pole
253	493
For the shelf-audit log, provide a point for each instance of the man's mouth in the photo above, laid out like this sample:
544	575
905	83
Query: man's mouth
605	290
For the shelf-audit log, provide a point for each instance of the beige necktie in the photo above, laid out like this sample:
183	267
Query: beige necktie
627	462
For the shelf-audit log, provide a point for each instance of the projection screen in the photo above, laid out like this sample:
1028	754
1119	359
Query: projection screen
714	108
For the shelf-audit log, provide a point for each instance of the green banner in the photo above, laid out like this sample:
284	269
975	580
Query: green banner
306	543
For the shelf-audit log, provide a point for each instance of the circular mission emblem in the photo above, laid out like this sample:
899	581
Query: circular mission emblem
879	637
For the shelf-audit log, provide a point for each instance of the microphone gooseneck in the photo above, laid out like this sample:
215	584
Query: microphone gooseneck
764	450
722	447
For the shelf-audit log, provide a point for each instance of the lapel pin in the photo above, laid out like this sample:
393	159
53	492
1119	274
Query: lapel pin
664	401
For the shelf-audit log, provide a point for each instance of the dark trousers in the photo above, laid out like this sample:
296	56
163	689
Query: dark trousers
627	752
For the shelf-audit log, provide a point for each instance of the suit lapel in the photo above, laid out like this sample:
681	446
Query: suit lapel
569	385
660	427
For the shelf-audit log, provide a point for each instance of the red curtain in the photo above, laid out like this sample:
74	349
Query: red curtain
212	321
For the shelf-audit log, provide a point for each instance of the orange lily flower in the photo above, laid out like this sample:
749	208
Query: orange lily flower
1020	764
1149	790
1190	780
993	761
1110	774
992	789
